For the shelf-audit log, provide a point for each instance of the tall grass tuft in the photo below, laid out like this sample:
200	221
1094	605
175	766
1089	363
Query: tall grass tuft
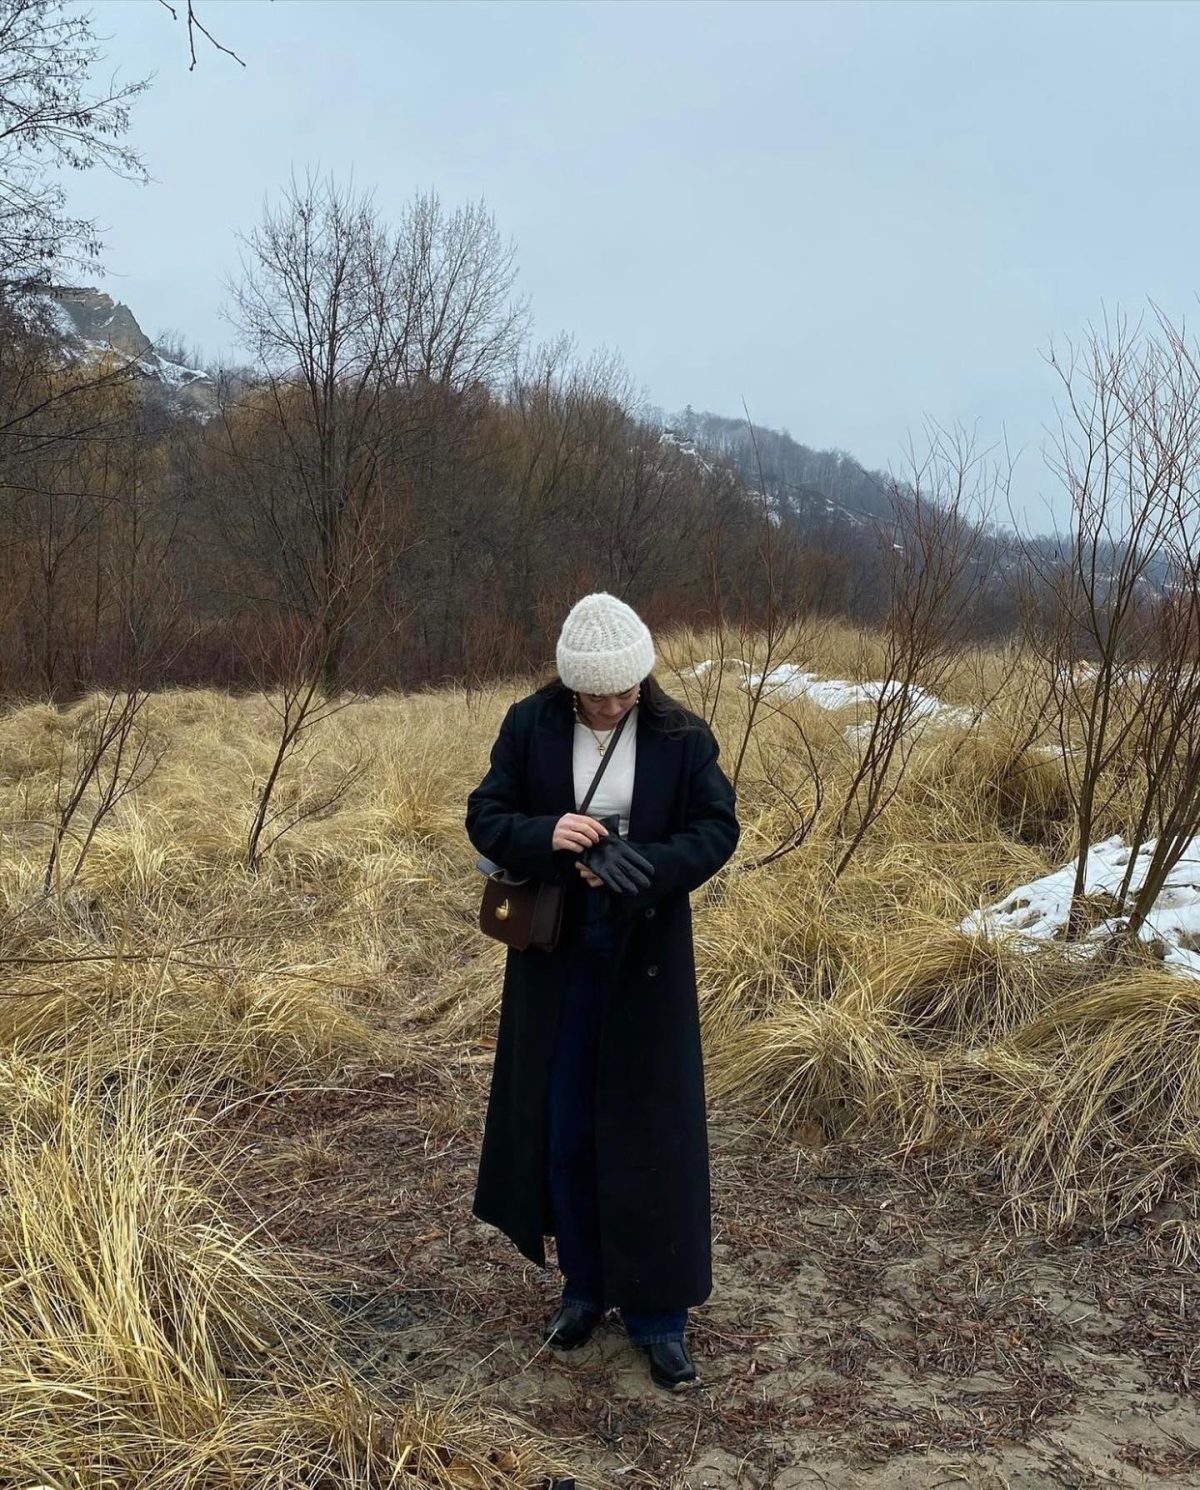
146	1340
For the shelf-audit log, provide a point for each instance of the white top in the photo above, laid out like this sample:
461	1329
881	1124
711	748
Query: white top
615	792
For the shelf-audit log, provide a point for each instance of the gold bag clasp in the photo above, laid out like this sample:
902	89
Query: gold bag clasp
502	911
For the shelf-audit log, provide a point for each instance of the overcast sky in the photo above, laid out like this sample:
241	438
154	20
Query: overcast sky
850	216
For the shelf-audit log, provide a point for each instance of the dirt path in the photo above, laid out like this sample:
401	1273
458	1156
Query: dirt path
865	1330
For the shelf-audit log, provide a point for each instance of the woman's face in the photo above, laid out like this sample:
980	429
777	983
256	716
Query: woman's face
605	710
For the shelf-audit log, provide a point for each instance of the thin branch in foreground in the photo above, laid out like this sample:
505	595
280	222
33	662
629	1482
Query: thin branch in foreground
194	24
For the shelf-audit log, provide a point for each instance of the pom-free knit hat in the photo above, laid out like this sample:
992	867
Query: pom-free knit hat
604	646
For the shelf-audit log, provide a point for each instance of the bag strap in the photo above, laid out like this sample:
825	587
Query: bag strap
608	751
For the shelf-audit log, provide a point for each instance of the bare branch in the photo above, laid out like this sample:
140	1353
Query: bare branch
193	25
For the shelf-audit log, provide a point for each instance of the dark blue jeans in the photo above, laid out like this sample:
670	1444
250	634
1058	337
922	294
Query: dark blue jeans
573	1128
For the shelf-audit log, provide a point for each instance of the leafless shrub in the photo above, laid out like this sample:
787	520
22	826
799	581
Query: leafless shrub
114	754
934	557
1118	631
300	707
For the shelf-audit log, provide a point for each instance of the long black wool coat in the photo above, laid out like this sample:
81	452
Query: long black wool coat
651	1137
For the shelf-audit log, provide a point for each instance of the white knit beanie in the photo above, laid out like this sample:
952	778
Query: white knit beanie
604	646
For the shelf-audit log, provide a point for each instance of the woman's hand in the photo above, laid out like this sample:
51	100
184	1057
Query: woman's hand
578	833
588	877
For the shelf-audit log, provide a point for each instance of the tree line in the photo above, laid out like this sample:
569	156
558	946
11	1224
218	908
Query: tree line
401	487
399	483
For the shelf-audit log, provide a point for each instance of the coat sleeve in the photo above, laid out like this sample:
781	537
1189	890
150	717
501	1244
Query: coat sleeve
687	858
497	827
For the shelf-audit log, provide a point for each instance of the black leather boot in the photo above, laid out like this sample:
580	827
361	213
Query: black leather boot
571	1327
671	1363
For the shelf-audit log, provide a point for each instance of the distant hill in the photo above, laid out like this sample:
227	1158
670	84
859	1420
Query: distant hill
90	324
830	499
840	508
809	487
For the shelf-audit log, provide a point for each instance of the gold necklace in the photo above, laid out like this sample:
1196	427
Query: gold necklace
601	745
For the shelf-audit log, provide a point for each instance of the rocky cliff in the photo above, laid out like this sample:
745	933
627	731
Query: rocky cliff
93	323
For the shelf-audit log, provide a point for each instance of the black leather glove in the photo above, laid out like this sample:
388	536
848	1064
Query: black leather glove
623	870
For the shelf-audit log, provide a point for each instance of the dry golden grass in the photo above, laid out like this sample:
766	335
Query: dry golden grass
135	1320
144	1340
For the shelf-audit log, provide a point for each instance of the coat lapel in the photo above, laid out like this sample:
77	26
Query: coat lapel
649	782
556	788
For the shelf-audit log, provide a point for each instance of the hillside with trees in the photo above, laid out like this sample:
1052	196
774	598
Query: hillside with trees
398	478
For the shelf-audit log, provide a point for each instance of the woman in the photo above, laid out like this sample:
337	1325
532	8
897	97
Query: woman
595	1129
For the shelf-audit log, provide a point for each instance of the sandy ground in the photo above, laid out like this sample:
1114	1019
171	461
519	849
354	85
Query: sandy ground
868	1328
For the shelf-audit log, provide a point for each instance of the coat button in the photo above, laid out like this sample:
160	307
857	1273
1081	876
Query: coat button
650	914
652	970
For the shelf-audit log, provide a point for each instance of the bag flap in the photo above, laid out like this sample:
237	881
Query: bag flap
502	876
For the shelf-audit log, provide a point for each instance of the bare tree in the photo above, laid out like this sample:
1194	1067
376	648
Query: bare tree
68	451
292	685
110	755
114	752
766	631
50	118
1167	695
758	614
300	708
1116	629
933	556
454	279
934	560
314	441
364	338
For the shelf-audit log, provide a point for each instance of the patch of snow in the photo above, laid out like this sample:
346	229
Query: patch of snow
702	669
1038	912
59	318
1087	672
158	366
789	680
685	446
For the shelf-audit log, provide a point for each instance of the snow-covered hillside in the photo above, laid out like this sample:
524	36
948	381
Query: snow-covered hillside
91	324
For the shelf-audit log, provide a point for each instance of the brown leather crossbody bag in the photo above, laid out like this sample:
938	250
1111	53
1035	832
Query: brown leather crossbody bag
523	912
